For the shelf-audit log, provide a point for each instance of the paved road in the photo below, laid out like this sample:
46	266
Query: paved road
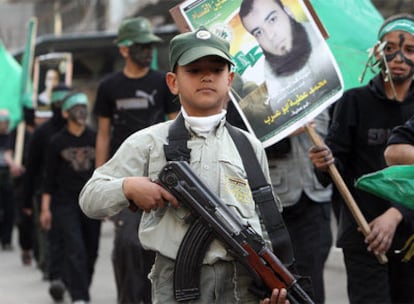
23	285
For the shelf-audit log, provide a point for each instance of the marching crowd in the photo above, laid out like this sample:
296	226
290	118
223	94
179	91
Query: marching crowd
72	176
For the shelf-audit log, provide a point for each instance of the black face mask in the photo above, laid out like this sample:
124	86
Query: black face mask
399	52
78	114
141	54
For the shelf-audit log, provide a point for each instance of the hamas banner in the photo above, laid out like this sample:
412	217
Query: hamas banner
286	74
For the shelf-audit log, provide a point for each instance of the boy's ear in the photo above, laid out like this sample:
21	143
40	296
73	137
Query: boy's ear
230	79
171	80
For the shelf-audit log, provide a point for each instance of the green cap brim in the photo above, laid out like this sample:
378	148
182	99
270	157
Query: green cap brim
144	39
198	52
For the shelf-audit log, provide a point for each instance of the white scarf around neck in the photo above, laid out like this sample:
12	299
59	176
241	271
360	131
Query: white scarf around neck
203	124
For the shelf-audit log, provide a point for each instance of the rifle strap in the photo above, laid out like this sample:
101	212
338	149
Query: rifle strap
264	198
177	149
178	135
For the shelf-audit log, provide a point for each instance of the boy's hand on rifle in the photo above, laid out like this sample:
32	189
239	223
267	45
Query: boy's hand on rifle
146	195
278	297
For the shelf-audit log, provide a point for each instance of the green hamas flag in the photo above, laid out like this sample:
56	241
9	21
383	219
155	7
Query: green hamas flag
10	79
395	183
352	26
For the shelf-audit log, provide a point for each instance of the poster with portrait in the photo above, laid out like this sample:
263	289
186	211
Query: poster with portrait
50	70
285	72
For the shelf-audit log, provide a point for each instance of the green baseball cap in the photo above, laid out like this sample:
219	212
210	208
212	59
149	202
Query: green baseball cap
188	47
136	30
74	100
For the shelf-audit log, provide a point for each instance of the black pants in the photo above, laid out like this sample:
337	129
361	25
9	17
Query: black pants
369	281
309	226
79	237
7	207
25	223
131	262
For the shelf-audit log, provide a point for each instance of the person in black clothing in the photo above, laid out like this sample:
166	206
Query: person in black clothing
127	101
400	145
6	188
400	151
24	219
32	182
70	162
362	122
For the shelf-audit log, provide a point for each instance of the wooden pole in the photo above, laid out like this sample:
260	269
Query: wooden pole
346	194
27	66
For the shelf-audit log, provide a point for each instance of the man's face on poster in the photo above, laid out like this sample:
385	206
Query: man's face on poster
271	26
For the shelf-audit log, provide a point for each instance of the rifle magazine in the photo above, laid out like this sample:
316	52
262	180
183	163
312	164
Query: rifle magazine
190	257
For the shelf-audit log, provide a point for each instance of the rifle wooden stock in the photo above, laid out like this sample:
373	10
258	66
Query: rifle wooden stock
212	218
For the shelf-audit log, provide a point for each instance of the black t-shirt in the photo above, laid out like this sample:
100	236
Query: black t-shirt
70	163
133	103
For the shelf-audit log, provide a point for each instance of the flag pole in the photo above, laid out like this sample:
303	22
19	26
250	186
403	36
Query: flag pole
25	92
346	194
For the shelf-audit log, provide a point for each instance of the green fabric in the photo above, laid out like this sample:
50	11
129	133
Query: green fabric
58	95
27	64
74	100
352	26
10	79
403	24
395	183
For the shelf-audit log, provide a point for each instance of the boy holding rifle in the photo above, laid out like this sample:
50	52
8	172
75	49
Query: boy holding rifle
201	76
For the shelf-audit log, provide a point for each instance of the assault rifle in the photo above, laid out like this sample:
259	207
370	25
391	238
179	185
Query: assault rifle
211	218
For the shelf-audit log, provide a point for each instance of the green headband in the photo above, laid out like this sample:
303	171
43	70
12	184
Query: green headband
58	95
74	100
402	24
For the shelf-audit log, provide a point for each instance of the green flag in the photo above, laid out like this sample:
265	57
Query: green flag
10	79
352	26
395	183
27	64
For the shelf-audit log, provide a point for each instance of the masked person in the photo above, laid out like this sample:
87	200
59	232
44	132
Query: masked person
129	100
32	185
70	163
24	217
361	124
7	214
